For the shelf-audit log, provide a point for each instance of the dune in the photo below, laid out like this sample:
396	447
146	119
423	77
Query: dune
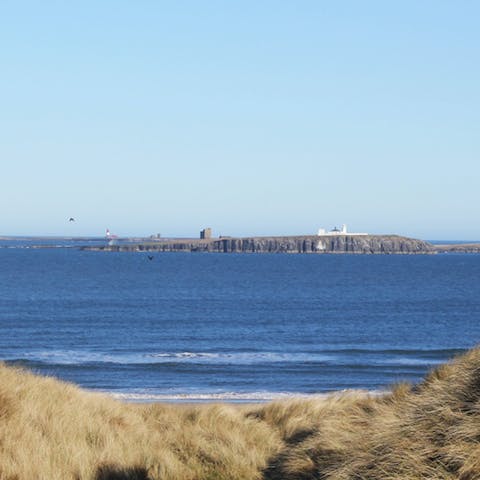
54	430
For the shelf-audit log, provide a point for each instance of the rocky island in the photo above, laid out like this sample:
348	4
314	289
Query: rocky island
364	244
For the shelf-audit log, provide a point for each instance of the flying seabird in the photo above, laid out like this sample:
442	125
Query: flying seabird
71	219
150	257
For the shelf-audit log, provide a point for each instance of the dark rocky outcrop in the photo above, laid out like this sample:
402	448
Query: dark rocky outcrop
366	244
458	248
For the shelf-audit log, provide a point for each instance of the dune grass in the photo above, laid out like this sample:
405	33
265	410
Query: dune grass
53	430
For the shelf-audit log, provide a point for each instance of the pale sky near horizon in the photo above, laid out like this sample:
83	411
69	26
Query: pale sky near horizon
252	117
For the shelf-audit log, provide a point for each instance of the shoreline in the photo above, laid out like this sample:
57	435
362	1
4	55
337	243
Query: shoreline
232	398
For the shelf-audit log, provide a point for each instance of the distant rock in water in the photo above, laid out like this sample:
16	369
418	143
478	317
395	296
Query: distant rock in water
366	244
458	248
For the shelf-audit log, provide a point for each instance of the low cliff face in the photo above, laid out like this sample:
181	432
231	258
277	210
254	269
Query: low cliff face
386	244
314	244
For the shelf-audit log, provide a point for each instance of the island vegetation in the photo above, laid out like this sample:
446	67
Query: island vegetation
54	430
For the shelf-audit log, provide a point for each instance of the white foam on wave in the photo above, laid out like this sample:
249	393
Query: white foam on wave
245	358
415	361
240	397
186	355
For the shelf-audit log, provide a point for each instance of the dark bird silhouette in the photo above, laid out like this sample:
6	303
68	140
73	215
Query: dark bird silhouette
71	219
150	257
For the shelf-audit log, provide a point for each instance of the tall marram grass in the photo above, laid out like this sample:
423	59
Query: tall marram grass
53	430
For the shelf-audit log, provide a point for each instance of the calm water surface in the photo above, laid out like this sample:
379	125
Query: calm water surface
235	327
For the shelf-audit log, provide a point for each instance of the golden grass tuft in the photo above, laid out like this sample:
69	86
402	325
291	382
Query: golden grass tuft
54	430
431	431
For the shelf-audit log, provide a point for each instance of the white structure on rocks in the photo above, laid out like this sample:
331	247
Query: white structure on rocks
335	231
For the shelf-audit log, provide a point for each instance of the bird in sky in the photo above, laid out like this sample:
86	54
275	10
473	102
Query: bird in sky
71	219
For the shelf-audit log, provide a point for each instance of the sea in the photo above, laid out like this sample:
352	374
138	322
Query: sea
194	327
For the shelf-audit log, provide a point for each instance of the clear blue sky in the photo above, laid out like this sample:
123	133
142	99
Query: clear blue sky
252	117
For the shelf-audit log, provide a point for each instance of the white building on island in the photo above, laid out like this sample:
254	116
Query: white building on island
336	231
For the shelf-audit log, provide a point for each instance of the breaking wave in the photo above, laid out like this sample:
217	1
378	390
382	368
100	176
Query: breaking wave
328	357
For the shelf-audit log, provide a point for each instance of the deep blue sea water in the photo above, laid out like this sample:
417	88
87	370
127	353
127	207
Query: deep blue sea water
234	326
